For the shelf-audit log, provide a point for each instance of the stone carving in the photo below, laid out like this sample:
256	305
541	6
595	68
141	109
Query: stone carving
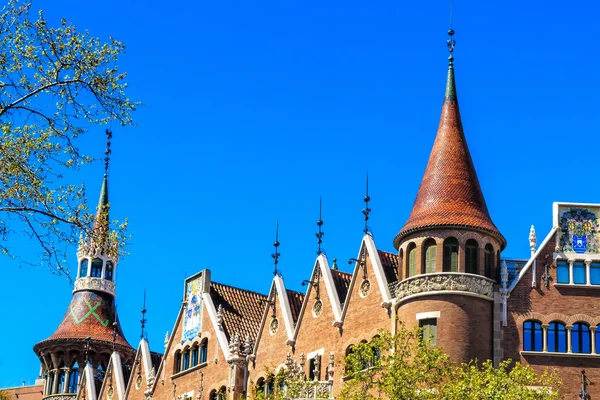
63	396
95	284
220	317
167	337
150	377
452	282
532	240
234	345
248	345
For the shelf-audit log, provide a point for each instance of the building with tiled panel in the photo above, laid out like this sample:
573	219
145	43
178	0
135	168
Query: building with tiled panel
446	276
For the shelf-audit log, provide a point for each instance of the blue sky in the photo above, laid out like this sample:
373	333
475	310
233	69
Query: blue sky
255	109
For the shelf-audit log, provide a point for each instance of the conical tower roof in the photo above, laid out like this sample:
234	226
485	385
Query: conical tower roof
450	195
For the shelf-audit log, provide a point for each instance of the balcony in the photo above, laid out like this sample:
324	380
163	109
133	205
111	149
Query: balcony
443	283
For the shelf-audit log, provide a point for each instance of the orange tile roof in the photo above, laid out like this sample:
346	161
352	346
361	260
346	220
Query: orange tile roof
450	195
295	299
90	314
342	283
242	309
390	263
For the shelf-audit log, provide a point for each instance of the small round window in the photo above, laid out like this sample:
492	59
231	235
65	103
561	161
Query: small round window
365	288
317	308
138	382
274	326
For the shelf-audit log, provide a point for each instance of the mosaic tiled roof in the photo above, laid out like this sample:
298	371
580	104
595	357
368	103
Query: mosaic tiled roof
295	299
390	263
450	195
242	309
342	282
90	314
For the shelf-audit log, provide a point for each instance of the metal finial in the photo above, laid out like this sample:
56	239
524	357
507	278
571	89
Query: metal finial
451	42
143	320
114	335
320	234
276	254
366	211
88	341
108	151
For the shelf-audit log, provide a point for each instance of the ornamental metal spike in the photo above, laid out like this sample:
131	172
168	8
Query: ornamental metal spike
320	234
108	151
366	211
143	320
276	254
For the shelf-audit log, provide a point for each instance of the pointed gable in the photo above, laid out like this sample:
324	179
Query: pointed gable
342	282
295	300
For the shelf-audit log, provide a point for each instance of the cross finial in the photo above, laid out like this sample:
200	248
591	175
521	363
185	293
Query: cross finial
320	234
108	151
366	211
143	320
276	254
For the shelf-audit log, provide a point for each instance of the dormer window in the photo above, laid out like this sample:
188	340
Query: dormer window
83	268
108	273
96	271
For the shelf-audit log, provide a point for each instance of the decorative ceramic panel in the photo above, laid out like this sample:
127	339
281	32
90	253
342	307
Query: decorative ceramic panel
578	230
192	317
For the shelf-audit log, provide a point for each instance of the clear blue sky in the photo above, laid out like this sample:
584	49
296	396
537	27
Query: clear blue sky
255	109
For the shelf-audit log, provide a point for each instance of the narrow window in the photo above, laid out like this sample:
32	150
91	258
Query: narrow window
532	336
311	369
581	340
96	271
260	386
562	272
489	260
429	330
203	351
61	380
412	260
579	273
108	274
84	268
195	356
595	273
51	383
74	378
450	255
177	362
186	359
430	250
471	256
557	337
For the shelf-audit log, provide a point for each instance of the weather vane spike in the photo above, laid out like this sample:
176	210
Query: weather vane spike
320	234
451	42
276	254
108	151
114	335
366	211
143	320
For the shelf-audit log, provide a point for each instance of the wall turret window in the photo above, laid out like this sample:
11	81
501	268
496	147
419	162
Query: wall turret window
96	270
581	338
489	260
62	374
471	257
73	379
532	336
108	273
83	268
430	256
411	260
450	255
557	337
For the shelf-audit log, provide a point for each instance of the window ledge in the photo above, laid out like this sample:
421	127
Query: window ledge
557	354
187	371
576	285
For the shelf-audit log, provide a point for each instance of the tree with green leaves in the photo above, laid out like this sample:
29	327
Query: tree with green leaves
55	83
406	366
4	395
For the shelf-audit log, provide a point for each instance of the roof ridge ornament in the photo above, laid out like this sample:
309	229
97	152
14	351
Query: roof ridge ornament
143	321
276	254
320	234
366	211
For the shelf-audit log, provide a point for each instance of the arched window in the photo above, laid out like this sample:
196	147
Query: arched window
581	339
557	337
96	271
73	379
412	260
471	256
186	359
213	395
83	267
260	385
108	273
489	260
51	382
450	255
203	351
177	362
221	393
532	336
429	256
62	373
194	355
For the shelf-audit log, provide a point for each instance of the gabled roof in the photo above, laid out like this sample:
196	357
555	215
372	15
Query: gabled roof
390	263
342	282
450	195
242	309
295	299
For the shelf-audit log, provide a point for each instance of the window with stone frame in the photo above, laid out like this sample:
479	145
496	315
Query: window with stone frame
450	260
557	337
471	257
532	336
412	260
581	338
430	256
429	330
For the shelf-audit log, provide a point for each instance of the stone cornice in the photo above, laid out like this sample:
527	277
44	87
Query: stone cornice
442	284
99	284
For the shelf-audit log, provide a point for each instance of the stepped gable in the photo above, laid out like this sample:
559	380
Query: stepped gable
242	309
295	299
450	194
342	283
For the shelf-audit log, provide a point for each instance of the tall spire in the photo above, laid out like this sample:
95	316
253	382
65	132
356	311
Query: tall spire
102	218
450	195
